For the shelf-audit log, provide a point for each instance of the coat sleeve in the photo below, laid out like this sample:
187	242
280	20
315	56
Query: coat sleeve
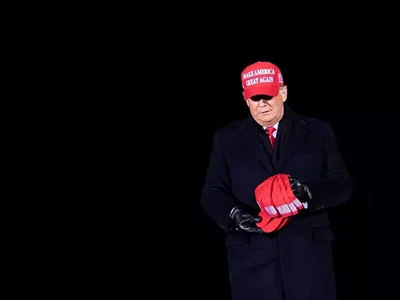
336	187
216	199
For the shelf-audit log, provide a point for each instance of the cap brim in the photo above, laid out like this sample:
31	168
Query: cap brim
270	90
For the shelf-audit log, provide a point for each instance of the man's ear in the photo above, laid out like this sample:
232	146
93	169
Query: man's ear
283	91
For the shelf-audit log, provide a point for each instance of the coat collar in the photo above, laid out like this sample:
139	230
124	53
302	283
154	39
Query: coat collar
291	133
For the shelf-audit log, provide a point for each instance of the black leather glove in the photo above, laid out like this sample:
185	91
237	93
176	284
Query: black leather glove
242	220
300	189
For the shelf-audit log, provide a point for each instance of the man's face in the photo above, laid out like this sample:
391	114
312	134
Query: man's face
267	110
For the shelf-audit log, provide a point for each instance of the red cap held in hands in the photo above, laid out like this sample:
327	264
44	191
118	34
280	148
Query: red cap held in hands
277	202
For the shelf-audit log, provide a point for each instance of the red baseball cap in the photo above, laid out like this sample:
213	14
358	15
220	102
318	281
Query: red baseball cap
261	78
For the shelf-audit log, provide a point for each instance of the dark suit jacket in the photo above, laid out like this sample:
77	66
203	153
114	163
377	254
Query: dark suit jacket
242	158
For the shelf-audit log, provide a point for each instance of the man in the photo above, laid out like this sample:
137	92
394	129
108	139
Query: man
294	263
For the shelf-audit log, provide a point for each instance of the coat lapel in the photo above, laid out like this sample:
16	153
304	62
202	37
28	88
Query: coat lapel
292	136
292	133
252	142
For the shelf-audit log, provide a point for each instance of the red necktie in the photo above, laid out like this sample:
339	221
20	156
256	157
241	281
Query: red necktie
270	131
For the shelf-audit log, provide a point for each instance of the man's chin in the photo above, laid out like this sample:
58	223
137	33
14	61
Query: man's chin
266	118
